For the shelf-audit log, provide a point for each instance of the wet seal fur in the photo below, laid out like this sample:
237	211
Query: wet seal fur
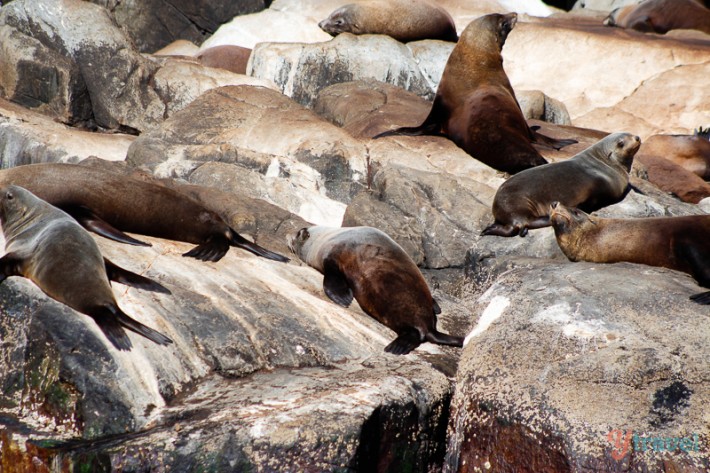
51	249
475	105
592	179
109	204
365	263
661	16
403	20
680	243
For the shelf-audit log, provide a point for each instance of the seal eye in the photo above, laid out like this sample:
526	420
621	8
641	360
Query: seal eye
620	143
9	195
303	234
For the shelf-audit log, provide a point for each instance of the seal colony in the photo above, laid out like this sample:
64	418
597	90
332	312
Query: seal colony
365	263
592	179
475	105
51	249
110	204
680	243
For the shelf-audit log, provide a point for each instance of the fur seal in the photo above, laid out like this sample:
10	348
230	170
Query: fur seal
592	179
50	248
475	105
403	20
691	152
109	203
228	57
661	16
365	263
680	243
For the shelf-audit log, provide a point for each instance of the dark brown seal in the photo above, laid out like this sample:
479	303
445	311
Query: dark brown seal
51	249
110	203
661	16
594	178
680	243
403	20
475	105
365	263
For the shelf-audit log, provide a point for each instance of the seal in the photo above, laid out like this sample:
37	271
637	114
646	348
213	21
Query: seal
592	179
365	263
47	246
475	105
691	152
110	204
228	57
403	20
661	16
680	243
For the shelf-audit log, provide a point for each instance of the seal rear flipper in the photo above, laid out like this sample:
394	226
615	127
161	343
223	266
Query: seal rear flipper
405	342
335	285
94	223
432	129
241	242
129	278
213	250
547	141
437	309
701	298
500	230
443	339
112	321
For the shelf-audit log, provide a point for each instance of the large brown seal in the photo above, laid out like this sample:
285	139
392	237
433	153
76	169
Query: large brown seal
681	243
403	20
592	179
109	204
475	105
661	16
51	249
365	263
691	152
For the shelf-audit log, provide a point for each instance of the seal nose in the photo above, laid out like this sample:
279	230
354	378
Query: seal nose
637	139
554	205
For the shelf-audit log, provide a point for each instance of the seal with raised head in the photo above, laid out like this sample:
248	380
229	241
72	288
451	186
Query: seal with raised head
661	16
47	246
403	20
365	263
680	243
592	179
475	105
109	204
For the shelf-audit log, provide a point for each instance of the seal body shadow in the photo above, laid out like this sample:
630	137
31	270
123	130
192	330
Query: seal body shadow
47	246
594	178
365	264
475	105
680	243
110	204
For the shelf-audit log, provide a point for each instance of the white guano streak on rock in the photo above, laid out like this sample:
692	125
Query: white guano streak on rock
492	313
562	315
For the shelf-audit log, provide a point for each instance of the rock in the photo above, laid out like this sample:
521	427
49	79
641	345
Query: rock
602	5
431	57
265	133
613	80
179	47
152	25
567	356
537	105
301	70
704	205
433	216
27	137
672	178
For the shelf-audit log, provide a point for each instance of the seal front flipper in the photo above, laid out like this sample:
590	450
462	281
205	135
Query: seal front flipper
94	223
212	250
129	278
9	266
699	267
241	242
406	342
112	321
701	298
335	285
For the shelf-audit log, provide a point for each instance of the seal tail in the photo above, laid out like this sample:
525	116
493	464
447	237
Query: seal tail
439	338
112	321
241	242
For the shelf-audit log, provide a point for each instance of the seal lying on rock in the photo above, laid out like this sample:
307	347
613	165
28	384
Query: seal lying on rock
594	178
365	263
403	20
680	243
109	203
475	105
661	16
51	249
